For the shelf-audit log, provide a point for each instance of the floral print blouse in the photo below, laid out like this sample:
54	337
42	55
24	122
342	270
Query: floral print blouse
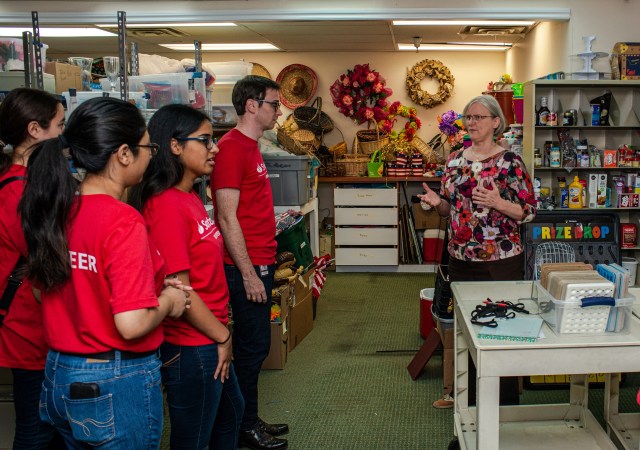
482	234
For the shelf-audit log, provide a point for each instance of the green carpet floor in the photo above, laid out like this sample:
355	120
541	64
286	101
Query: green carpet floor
346	385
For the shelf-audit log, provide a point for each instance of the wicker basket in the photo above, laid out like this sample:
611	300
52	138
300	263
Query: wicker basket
371	140
299	142
355	164
312	118
429	154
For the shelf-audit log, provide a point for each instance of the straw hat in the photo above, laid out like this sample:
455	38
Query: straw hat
298	85
259	69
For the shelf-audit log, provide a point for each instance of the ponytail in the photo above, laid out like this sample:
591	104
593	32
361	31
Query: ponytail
46	207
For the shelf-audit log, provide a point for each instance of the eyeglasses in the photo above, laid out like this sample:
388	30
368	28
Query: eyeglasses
153	148
208	142
475	118
274	103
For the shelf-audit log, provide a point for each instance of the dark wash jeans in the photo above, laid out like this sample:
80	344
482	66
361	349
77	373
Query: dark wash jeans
251	337
204	412
31	432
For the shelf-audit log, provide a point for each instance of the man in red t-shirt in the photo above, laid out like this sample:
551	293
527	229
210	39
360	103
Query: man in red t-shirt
243	206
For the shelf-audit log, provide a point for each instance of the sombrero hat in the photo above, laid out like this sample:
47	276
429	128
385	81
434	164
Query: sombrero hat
298	84
259	69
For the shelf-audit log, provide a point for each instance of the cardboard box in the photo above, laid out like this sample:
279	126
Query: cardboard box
625	200
300	320
601	199
302	287
277	357
592	190
446	337
66	75
625	61
427	219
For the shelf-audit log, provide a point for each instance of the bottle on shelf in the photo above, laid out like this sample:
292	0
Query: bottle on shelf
537	157
542	115
575	194
563	193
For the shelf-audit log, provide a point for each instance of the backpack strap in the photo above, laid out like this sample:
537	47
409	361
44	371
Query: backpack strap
14	281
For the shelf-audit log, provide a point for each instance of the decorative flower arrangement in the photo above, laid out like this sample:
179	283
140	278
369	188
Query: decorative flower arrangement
413	124
360	94
450	125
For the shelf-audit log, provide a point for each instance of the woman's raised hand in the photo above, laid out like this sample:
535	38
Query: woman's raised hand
429	197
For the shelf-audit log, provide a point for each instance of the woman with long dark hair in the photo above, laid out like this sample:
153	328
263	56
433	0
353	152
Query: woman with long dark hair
27	117
100	281
203	395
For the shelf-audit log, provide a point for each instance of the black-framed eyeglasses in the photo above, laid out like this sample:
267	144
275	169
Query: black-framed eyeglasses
153	148
208	142
475	118
274	103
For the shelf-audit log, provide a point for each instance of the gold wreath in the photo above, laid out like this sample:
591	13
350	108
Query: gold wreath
434	69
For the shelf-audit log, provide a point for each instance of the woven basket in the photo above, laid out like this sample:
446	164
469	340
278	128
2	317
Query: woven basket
355	164
299	142
312	118
371	140
429	154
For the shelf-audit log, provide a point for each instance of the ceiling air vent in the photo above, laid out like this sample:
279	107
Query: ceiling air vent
155	32
494	30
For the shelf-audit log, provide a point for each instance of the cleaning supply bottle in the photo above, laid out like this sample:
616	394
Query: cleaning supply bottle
575	193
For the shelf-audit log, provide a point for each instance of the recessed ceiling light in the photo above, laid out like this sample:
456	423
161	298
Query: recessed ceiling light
506	23
221	47
47	32
168	25
457	47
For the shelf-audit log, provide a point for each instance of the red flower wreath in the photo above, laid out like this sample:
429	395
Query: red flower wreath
360	94
410	128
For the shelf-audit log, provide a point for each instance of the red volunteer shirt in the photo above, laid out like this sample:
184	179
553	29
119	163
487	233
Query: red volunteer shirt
239	165
189	240
22	344
113	270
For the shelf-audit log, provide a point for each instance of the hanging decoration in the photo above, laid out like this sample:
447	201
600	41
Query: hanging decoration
361	94
408	132
429	68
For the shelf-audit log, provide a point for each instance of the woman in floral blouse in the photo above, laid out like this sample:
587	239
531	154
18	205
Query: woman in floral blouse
487	194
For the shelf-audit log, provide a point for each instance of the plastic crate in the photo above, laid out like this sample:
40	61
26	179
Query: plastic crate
169	88
571	317
289	177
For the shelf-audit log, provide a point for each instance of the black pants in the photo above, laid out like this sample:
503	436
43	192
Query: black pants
509	269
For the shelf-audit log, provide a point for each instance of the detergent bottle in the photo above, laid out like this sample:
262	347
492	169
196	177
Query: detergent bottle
575	193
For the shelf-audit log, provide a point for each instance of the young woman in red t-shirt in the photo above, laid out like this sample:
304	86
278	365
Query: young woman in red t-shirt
204	398
27	117
100	281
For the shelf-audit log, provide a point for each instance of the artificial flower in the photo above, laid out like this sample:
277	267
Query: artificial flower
366	92
450	125
397	109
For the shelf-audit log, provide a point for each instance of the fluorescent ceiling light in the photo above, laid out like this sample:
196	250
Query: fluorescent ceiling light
221	47
168	25
457	47
506	23
57	32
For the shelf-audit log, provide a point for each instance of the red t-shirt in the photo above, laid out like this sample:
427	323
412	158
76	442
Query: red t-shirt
113	270
189	240
22	344
239	165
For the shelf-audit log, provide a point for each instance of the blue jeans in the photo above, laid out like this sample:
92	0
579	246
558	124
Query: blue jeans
251	337
203	411
31	432
127	412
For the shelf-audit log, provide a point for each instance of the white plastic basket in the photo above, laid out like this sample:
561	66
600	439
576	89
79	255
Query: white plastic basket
571	317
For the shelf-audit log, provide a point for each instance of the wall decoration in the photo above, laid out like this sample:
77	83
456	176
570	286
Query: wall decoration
413	122
430	68
361	94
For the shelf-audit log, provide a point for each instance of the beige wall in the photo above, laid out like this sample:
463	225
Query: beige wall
472	72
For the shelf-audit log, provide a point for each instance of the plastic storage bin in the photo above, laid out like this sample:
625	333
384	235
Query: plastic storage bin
169	88
296	240
289	177
571	317
229	71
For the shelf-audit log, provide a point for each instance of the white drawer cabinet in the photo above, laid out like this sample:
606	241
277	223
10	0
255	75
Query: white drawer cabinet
366	236
366	223
366	216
